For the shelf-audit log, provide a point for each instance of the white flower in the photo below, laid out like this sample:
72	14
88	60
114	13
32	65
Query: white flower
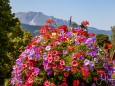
48	48
86	62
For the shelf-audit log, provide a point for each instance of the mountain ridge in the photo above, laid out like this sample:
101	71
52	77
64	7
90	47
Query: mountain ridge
35	30
36	19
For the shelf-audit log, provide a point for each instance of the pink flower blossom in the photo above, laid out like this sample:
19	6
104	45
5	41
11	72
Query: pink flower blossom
30	79
66	74
55	52
48	66
62	62
74	63
56	57
47	83
52	84
50	59
60	67
64	84
55	65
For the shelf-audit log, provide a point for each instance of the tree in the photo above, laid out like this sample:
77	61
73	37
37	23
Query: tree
101	38
74	25
113	33
12	38
113	40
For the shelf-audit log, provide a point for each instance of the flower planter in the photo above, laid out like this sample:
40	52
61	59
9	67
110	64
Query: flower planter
62	57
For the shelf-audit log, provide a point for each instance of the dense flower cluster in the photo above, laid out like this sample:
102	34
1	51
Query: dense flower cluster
61	56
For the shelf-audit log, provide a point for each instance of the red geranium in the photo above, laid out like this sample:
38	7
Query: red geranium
76	83
85	23
49	21
91	34
64	27
42	30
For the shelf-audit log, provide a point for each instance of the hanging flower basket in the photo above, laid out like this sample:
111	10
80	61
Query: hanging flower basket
62	56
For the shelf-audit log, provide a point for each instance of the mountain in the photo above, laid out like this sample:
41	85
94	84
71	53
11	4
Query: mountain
35	30
31	28
31	21
37	18
97	31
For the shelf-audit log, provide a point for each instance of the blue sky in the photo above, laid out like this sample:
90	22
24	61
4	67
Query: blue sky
100	13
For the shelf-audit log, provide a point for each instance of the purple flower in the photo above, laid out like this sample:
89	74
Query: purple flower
19	62
69	34
65	51
93	84
61	31
38	54
91	68
14	71
81	57
32	51
45	57
67	68
90	41
105	65
78	28
76	42
30	57
96	60
35	48
36	71
45	62
93	54
39	39
91	63
58	43
49	72
13	80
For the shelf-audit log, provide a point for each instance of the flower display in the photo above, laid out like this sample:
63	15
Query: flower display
61	56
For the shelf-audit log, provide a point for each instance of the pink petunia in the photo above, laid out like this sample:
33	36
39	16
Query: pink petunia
48	66
49	55
62	62
60	67
55	52
52	84
56	57
74	63
30	79
47	83
50	59
55	65
64	84
66	74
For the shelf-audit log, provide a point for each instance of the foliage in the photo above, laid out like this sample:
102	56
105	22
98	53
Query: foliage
113	33
113	41
101	38
12	39
62	56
